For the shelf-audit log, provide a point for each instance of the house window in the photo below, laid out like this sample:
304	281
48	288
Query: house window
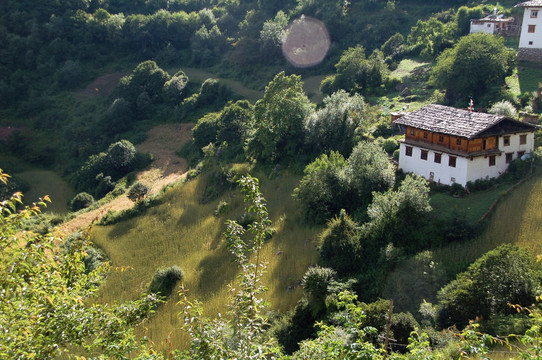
431	176
412	132
506	140
458	141
521	153
534	14
531	28
530	42
408	150
424	155
492	160
438	158
509	157
425	135
488	25
441	138
523	139
451	161
452	180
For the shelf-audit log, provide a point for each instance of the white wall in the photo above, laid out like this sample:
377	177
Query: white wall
441	172
479	28
535	37
465	169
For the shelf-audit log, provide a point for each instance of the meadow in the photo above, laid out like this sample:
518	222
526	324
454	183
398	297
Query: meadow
182	231
516	220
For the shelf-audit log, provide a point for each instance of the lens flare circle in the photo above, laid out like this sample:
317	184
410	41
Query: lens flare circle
306	42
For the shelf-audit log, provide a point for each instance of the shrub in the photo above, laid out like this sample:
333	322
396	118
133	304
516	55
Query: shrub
519	168
221	208
138	192
505	108
164	280
81	201
456	189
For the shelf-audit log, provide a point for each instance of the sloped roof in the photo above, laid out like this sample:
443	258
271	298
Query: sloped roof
530	3
451	121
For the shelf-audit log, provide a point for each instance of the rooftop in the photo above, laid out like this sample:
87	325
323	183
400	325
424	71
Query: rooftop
530	3
449	120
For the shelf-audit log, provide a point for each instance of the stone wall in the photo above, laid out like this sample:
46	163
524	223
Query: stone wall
526	54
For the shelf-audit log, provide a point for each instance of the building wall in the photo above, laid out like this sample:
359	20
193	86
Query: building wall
442	173
531	40
481	27
466	168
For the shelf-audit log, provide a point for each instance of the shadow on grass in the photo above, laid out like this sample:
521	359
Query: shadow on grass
217	270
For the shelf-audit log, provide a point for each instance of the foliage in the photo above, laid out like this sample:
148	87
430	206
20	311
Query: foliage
320	189
148	78
397	215
345	342
333	127
138	192
205	130
340	245
368	170
504	107
81	201
431	37
175	88
355	72
44	293
279	119
331	183
317	282
475	64
502	276
463	17
272	34
164	280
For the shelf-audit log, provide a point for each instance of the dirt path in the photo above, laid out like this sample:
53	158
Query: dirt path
162	141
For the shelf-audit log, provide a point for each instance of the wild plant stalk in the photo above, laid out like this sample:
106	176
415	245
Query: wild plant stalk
210	338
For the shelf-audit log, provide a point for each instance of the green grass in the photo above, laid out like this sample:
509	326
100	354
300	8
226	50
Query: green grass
474	205
530	75
45	182
183	232
517	220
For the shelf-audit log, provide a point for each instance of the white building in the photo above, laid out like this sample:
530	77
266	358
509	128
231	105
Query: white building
449	145
493	24
530	40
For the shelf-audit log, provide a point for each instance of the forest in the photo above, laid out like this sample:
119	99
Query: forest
221	182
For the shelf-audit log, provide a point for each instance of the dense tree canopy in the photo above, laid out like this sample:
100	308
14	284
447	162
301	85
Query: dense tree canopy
279	117
475	64
502	276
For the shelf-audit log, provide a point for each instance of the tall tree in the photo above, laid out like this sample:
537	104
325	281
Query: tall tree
279	119
475	64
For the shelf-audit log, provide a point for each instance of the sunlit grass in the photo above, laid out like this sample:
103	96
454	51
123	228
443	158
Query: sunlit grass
183	232
517	220
406	67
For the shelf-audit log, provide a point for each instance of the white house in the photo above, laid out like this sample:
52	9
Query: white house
493	24
530	40
449	145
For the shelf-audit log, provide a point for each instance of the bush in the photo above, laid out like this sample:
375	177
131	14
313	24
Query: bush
138	192
81	201
519	168
164	280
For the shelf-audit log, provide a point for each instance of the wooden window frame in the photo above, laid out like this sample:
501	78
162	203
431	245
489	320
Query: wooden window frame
506	140
509	157
523	139
531	29
534	14
424	154
452	161
438	158
492	160
458	141
408	150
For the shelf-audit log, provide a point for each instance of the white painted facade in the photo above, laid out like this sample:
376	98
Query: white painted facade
466	168
532	21
481	27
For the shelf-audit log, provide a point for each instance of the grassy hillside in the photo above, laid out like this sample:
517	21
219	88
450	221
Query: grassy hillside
516	220
183	232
